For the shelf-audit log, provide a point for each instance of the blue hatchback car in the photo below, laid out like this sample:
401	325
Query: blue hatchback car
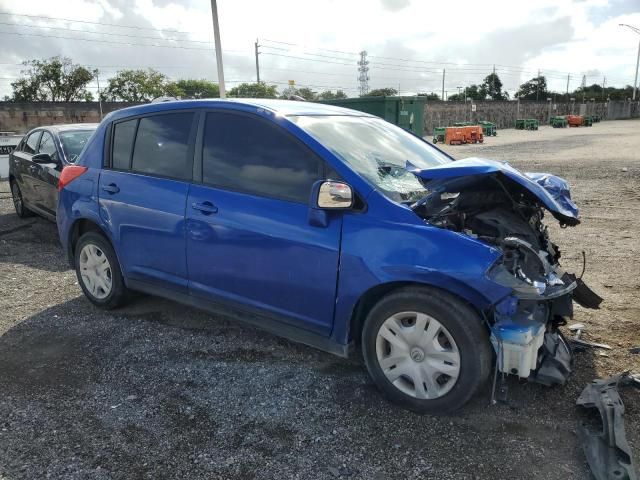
333	228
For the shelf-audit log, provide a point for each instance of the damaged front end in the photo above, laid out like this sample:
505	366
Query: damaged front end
496	204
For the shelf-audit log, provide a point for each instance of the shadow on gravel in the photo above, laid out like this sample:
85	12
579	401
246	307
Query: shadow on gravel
158	390
35	243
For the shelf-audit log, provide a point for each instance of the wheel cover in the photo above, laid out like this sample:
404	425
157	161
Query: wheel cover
418	355
95	271
17	198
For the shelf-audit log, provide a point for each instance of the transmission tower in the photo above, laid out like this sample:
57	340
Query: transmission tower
363	73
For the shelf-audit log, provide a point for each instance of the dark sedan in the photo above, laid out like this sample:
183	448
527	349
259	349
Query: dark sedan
36	163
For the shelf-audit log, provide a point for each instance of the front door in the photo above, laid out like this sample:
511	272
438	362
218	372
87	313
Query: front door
249	240
45	178
143	196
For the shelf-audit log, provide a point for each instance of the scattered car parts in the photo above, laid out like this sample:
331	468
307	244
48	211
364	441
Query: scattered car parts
608	452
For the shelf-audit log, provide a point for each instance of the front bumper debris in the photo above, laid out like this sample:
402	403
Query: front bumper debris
608	452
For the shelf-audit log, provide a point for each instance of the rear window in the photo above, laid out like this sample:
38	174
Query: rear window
162	145
73	142
123	135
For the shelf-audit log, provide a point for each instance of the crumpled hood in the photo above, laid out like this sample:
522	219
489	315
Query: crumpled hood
553	192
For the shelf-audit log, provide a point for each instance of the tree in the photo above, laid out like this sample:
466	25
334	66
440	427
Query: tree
329	95
534	89
189	88
382	92
472	92
56	79
492	85
138	86
307	94
430	96
254	90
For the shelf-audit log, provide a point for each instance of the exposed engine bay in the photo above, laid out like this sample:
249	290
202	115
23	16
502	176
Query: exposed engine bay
500	212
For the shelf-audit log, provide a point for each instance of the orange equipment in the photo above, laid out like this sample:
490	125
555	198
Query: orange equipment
454	136
575	120
473	134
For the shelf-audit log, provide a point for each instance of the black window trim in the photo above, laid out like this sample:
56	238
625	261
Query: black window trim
322	169
107	163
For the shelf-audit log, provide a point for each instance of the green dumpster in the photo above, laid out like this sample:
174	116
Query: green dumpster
531	124
587	121
439	134
559	121
595	118
520	122
406	112
488	128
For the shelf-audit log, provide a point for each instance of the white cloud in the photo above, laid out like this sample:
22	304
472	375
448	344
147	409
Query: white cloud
557	37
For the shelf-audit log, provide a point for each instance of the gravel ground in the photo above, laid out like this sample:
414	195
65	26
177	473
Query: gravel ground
156	390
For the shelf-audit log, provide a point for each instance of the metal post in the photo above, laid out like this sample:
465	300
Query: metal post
635	81
257	62
216	35
443	72
538	85
568	77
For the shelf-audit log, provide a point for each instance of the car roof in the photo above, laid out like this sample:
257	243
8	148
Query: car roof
66	127
280	107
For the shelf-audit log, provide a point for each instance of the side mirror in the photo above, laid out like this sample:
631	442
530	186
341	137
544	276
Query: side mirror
43	159
332	195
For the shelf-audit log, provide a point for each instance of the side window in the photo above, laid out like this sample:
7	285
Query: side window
162	145
47	145
123	134
254	156
31	143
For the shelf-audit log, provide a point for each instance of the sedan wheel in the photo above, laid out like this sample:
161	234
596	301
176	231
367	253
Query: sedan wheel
18	202
95	271
418	355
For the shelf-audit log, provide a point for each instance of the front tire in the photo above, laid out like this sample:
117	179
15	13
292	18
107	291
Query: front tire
98	271
18	201
426	350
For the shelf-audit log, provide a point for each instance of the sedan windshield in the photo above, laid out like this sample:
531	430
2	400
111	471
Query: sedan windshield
376	150
73	142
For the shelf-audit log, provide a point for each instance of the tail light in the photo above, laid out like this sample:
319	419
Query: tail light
69	174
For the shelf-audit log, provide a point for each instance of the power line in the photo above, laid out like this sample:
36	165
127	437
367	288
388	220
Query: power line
111	42
93	23
41	27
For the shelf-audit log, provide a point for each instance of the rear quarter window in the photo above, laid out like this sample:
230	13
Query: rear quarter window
123	136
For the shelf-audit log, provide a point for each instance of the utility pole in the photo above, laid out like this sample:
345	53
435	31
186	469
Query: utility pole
443	73
568	78
635	81
604	82
538	85
493	80
257	62
96	72
584	87
216	36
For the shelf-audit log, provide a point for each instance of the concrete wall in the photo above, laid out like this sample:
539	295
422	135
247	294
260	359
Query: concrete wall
22	117
504	114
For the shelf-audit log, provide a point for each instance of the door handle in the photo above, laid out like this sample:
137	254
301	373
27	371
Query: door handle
111	188
206	208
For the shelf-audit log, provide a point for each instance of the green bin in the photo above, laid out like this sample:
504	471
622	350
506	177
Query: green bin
406	112
488	128
439	134
559	121
531	124
520	122
587	121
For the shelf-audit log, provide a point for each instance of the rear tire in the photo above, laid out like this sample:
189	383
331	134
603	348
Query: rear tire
98	271
18	201
426	350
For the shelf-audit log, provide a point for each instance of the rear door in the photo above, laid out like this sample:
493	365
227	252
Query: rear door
249	240
143	194
24	167
45	176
